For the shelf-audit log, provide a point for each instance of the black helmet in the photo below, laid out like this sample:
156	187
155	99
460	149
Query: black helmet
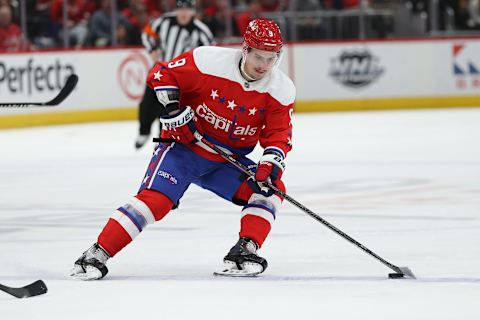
186	4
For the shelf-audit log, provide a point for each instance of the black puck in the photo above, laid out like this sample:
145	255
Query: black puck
395	275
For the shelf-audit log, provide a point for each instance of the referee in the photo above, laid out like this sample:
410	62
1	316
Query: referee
165	38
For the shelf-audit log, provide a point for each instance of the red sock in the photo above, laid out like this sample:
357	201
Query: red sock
255	228
113	237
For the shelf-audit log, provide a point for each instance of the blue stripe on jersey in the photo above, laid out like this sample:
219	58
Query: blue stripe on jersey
251	205
137	218
166	89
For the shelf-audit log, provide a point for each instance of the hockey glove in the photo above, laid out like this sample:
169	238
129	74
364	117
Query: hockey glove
182	126
269	169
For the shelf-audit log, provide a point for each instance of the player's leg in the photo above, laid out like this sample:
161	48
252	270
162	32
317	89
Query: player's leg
147	113
122	227
163	185
257	216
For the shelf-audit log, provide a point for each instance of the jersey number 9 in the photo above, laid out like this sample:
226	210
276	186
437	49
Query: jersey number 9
177	63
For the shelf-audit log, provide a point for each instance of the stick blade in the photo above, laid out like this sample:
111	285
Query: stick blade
34	289
37	288
70	84
407	272
402	273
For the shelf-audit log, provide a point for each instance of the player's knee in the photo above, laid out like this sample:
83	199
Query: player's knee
265	207
156	202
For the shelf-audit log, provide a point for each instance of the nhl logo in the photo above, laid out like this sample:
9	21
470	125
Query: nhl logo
356	68
246	85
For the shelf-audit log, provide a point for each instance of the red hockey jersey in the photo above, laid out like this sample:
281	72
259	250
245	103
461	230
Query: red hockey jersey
234	114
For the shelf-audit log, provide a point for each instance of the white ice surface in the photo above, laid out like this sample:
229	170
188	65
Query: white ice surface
405	183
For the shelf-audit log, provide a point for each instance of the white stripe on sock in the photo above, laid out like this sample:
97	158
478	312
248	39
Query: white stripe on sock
259	212
126	223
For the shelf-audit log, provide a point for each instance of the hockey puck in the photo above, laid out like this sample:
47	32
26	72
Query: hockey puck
395	275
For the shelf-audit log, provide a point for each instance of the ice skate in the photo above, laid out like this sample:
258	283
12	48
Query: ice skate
242	260
141	140
91	264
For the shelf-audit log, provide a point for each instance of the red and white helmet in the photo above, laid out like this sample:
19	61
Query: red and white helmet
263	34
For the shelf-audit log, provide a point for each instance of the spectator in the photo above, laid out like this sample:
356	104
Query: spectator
273	5
350	4
343	4
79	11
101	27
222	17
42	31
309	27
332	4
136	14
474	14
240	6
254	11
216	14
208	14
154	8
11	38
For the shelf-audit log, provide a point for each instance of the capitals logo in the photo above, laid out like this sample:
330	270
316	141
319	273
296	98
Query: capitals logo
465	69
221	123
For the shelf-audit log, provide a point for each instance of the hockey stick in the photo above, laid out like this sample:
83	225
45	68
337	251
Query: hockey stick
400	272
34	289
64	93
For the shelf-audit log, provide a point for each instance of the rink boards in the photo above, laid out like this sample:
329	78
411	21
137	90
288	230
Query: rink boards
332	76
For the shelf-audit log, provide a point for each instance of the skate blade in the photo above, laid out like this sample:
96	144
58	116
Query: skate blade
235	273
231	270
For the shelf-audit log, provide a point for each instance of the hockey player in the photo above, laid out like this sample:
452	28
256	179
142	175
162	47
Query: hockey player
234	99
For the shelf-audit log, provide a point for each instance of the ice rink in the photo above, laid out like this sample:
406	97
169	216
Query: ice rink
404	183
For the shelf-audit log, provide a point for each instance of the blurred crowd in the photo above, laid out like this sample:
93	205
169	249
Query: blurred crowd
465	13
88	23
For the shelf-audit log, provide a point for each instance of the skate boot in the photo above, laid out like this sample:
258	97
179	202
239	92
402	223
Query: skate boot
141	140
242	260
91	264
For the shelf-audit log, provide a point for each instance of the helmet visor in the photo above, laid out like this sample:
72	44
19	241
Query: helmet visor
259	62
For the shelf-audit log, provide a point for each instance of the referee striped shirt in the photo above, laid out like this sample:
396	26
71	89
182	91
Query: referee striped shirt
171	39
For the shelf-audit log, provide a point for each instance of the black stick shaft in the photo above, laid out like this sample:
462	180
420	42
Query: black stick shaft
70	84
312	214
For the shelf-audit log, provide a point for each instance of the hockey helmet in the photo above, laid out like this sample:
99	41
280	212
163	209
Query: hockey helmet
263	34
186	4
